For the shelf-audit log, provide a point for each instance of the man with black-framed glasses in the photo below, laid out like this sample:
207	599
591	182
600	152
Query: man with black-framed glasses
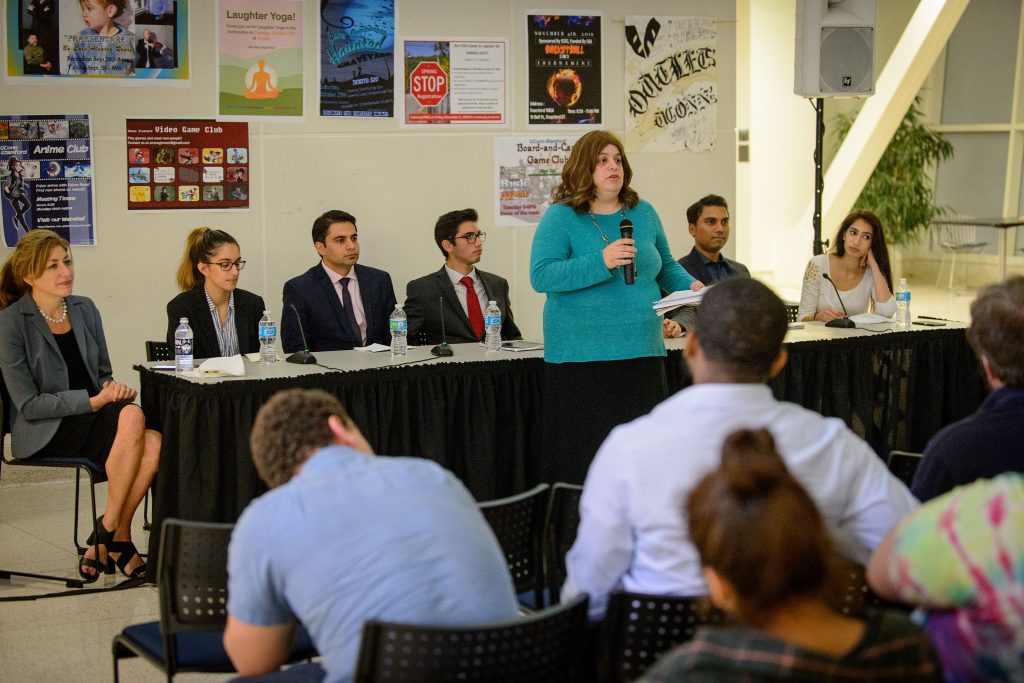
462	289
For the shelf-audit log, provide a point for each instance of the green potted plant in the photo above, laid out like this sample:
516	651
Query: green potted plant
899	190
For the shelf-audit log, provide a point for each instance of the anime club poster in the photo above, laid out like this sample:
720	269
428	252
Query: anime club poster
106	40
357	58
46	177
564	69
187	164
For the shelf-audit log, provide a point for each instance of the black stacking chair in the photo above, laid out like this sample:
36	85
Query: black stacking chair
90	468
546	647
518	523
640	628
193	582
903	465
560	526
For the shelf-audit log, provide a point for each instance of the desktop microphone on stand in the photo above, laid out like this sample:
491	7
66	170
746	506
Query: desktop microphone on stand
303	357
838	322
628	270
442	349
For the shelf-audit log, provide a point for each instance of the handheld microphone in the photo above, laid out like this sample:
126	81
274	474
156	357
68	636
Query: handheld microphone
442	349
303	357
838	322
628	270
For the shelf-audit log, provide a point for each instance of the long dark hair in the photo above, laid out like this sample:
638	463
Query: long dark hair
878	246
577	186
200	245
757	527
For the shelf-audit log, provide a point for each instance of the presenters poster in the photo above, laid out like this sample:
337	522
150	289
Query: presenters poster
357	58
259	45
458	81
527	168
46	177
187	164
671	84
563	68
129	41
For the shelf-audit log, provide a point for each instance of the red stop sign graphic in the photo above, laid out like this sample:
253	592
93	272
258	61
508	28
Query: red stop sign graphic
428	84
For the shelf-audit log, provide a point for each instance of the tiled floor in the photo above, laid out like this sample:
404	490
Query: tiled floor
68	638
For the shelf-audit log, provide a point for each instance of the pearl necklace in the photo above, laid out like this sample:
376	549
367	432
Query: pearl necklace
63	316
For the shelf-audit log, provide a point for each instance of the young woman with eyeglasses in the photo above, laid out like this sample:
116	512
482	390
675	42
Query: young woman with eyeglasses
224	319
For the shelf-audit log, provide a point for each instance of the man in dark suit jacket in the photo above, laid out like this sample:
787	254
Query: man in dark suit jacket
462	243
709	227
341	304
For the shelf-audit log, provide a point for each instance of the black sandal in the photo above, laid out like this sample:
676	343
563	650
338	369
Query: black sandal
128	552
106	539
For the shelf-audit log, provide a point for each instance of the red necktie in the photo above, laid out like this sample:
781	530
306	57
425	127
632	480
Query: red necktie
476	318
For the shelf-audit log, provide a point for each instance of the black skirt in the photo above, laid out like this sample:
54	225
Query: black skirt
583	402
87	436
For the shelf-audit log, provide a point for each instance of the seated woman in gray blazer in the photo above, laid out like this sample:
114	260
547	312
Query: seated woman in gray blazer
224	319
64	400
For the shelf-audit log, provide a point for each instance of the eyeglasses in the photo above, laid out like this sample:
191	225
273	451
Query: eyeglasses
226	266
472	237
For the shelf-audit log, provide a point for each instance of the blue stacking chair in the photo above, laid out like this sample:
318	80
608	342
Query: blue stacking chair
193	582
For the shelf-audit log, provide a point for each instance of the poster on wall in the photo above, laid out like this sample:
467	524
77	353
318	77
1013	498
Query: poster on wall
527	169
563	69
357	58
187	164
259	59
46	177
122	41
671	84
460	81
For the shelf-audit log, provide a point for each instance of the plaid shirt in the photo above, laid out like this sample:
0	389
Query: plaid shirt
892	649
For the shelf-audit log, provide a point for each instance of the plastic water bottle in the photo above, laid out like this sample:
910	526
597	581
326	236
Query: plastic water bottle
183	346
399	325
903	303
492	327
268	337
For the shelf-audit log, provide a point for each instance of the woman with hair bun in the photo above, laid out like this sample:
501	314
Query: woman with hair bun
767	560
224	319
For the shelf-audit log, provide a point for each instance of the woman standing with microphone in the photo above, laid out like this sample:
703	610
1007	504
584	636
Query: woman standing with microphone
603	347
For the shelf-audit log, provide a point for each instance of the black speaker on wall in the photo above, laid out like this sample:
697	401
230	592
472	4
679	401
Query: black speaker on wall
835	48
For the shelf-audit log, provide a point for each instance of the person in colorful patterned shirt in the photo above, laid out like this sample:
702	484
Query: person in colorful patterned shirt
961	557
767	559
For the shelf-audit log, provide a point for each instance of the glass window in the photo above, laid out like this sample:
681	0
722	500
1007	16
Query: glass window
980	60
971	183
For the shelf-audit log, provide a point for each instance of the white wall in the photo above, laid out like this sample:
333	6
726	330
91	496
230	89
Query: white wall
396	182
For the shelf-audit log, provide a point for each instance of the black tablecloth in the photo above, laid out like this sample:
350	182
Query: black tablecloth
482	420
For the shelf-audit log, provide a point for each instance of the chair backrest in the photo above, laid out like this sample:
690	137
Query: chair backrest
903	465
792	310
158	350
640	628
193	576
518	524
851	593
546	646
560	526
955	236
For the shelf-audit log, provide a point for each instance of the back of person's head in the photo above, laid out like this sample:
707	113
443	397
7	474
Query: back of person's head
324	222
693	213
447	226
289	428
200	246
740	327
757	528
997	329
28	260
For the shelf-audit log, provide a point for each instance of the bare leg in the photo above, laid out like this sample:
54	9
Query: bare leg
150	461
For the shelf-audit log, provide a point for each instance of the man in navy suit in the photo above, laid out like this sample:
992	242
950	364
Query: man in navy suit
341	304
459	287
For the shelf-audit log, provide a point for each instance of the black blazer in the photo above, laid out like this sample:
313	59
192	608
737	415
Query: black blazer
422	308
695	266
322	316
192	304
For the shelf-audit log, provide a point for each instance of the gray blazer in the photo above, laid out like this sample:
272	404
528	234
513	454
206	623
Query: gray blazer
35	373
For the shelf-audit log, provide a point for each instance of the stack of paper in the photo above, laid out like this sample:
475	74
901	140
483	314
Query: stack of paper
678	299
